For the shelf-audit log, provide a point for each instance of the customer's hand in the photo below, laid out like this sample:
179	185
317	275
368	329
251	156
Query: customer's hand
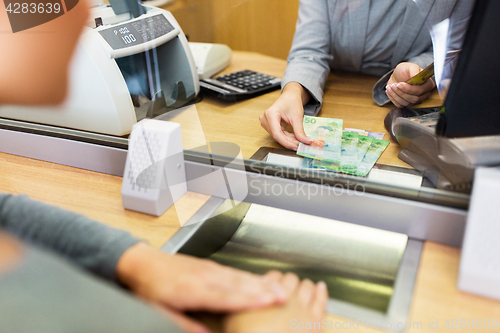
287	109
307	303
403	94
11	252
185	283
186	323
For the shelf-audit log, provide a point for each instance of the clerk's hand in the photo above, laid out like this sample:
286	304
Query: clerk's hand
307	303
403	94
287	109
185	283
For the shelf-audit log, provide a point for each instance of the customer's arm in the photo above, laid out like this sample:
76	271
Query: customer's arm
90	245
173	281
56	296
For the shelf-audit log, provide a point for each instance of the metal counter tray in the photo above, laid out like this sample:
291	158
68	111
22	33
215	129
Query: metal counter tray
370	273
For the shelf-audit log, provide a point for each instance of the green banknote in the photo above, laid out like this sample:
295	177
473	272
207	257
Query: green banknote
374	135
349	158
364	143
325	165
307	163
326	134
376	149
312	163
367	151
349	163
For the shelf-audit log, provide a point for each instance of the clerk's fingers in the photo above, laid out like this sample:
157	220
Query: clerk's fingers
271	122
426	88
404	94
264	123
291	136
409	90
296	120
395	98
320	299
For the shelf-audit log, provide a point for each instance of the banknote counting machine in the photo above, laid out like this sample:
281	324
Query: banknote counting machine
125	68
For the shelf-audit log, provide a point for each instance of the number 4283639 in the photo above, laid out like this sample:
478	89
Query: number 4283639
33	8
462	324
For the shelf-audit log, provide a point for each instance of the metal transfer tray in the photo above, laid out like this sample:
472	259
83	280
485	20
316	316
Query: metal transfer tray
370	273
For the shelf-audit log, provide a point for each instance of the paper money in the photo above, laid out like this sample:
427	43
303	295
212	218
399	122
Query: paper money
368	151
349	155
352	151
349	163
326	134
348	158
325	165
364	143
376	149
374	135
308	162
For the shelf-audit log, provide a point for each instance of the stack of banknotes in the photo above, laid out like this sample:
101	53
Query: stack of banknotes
350	150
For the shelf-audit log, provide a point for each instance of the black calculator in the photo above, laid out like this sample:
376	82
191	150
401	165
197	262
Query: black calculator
240	85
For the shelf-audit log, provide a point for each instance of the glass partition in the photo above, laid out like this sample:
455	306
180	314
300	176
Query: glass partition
416	164
407	168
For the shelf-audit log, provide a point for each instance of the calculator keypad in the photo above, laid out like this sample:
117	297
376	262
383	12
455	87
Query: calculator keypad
247	80
240	85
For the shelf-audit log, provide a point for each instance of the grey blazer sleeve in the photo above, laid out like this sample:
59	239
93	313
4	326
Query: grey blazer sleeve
459	13
310	53
89	244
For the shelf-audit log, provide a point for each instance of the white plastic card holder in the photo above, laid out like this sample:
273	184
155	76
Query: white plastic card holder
479	271
155	176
